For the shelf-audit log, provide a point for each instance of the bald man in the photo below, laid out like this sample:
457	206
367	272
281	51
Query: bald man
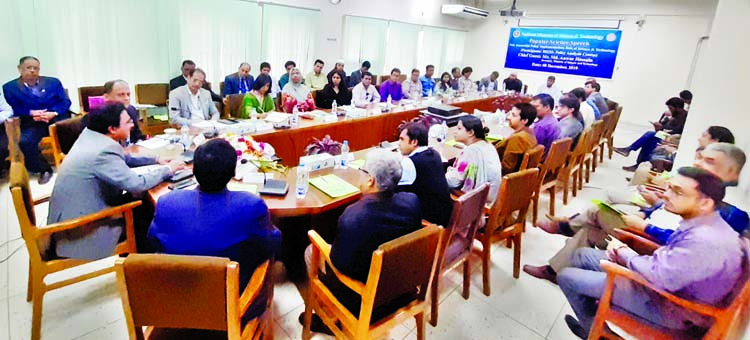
119	91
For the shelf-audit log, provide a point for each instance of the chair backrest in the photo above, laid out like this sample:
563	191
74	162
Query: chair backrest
558	154
221	88
580	149
597	131
615	119
612	105
176	291
23	203
234	105
468	212
515	194
152	94
532	157
64	134
605	118
88	91
314	94
13	131
403	267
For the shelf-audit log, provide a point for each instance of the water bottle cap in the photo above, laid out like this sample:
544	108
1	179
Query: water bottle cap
346	142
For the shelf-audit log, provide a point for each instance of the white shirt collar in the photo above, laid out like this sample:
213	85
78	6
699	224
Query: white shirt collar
418	150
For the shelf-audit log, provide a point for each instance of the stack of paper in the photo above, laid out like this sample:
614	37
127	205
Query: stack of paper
277	117
153	143
333	186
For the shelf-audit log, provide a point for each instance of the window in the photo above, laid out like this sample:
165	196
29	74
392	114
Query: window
289	34
364	39
402	47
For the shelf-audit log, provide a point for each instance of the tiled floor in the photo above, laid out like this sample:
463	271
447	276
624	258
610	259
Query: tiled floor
526	308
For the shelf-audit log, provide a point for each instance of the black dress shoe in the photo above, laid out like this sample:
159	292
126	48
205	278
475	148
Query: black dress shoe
541	272
575	327
631	168
316	324
623	151
44	177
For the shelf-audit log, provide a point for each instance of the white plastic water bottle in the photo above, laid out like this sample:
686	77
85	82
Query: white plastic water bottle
344	155
335	107
185	136
253	113
444	132
295	117
303	174
388	102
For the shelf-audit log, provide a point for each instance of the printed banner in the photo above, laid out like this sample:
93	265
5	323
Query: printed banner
583	52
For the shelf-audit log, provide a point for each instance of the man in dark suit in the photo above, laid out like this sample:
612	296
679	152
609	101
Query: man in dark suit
38	101
239	82
423	174
188	66
214	221
119	91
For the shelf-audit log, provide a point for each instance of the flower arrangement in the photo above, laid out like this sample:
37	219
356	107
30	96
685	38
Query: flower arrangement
305	106
325	145
506	103
258	153
422	118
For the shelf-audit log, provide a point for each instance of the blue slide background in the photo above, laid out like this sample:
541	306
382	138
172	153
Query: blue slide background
583	52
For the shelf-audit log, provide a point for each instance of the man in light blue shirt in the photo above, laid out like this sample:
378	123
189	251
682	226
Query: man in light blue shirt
428	84
5	112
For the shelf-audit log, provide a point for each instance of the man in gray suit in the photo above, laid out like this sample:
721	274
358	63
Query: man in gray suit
93	177
190	102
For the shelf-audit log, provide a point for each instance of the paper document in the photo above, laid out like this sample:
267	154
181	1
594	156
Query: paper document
142	170
239	186
153	143
277	117
358	164
333	186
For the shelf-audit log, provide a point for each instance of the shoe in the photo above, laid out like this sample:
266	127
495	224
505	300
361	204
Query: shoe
631	168
575	327
316	324
44	177
628	179
551	225
541	272
623	151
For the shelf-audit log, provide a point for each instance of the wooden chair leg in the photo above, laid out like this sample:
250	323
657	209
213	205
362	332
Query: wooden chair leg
594	159
566	184
516	255
306	333
37	304
420	326
486	266
575	184
535	204
588	170
601	152
467	277
552	200
434	301
30	287
580	178
508	243
610	146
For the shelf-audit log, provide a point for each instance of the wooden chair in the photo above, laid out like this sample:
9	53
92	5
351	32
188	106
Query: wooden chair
573	166
548	176
191	297
532	157
608	136
730	320
88	91
456	244
507	218
13	131
596	150
593	149
64	134
37	239
234	105
398	281
152	94
221	88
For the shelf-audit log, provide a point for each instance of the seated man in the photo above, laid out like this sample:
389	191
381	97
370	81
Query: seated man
546	128
191	103
213	221
39	102
119	91
5	112
381	215
549	88
365	93
422	174
187	68
512	83
295	88
671	122
412	86
93	177
594	96
490	82
392	87
316	79
589	112
465	84
356	76
455	78
428	84
591	228
701	262
512	149
239	82
284	79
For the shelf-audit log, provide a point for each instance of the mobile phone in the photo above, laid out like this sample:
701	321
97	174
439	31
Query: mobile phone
182	184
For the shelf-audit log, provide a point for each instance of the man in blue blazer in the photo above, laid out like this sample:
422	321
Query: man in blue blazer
38	101
239	82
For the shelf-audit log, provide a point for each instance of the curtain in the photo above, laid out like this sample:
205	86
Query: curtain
443	48
364	39
289	34
402	44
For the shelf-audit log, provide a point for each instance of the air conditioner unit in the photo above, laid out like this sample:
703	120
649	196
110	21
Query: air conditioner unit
463	11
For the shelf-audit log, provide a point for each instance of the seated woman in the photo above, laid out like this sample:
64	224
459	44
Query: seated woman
478	163
259	98
571	122
443	88
671	122
334	91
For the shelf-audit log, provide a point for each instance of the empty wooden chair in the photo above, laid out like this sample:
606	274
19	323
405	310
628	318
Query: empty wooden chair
592	150
456	244
88	91
572	168
548	176
396	287
64	134
532	157
234	105
609	135
37	239
152	94
192	297
507	218
730	320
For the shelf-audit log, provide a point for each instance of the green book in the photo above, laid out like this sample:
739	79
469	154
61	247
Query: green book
606	207
609	215
333	186
492	138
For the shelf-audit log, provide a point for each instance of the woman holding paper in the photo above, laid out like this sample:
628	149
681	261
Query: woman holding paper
258	99
478	163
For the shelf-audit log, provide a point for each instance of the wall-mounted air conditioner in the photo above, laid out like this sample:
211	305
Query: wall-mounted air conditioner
463	11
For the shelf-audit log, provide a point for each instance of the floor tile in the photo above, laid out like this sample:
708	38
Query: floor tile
117	330
4	319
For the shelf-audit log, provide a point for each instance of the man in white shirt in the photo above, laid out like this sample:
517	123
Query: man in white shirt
465	84
412	87
550	89
587	111
191	102
364	93
490	82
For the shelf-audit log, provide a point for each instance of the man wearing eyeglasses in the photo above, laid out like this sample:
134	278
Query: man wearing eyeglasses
365	93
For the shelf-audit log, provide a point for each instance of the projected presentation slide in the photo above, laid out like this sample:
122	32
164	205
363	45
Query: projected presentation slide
583	52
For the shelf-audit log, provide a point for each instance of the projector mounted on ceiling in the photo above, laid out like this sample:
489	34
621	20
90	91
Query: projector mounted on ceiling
463	11
512	11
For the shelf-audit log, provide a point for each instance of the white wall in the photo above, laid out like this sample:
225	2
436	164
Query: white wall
653	62
719	83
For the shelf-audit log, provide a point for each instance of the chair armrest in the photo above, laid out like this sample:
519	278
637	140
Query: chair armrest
320	245
84	220
654	187
613	269
40	200
642	245
426	223
253	287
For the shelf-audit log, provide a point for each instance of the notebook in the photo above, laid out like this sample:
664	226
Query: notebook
333	186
